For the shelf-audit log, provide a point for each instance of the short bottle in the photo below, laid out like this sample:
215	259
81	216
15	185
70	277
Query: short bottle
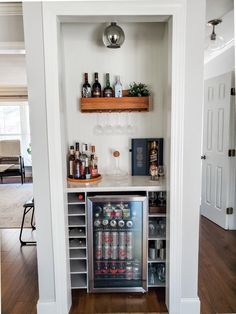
71	161
86	89
118	87
96	88
87	171
108	90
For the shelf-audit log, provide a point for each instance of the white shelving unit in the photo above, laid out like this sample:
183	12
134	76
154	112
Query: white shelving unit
77	233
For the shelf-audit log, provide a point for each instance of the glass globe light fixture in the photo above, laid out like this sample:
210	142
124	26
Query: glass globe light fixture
214	42
113	36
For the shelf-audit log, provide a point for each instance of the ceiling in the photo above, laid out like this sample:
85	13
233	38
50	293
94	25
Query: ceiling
218	8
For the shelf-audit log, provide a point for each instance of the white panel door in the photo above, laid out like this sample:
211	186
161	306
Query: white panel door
215	160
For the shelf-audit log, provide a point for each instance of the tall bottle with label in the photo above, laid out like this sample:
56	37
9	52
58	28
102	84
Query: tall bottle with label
118	87
83	157
108	91
71	161
96	88
77	165
94	163
153	162
86	89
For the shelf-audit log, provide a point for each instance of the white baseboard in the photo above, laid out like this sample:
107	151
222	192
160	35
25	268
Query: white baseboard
46	307
190	305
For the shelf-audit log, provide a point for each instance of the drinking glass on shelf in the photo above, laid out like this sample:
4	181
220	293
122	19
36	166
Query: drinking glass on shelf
98	129
152	198
161	171
152	229
162	198
151	274
161	272
162	228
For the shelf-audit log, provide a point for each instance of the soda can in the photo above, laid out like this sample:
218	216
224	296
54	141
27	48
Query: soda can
106	238
118	213
98	268
105	268
106	252
114	238
129	238
98	252
129	271
122	240
136	271
98	236
129	252
114	252
122	252
126	213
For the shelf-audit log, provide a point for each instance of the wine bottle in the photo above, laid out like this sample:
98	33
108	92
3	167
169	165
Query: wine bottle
118	87
83	157
153	168
96	88
94	163
71	161
87	172
77	165
86	89
108	91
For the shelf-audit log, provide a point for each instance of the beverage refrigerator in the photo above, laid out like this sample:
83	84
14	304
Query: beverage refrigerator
117	243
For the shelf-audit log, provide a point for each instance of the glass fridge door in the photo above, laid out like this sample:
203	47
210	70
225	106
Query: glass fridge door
117	243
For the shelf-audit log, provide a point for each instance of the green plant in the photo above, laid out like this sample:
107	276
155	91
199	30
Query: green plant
138	90
29	149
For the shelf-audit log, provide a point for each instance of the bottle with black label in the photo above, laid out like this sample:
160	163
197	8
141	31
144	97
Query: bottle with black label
87	171
108	91
86	89
96	88
71	161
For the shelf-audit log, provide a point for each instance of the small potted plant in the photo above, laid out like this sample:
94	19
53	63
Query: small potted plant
138	90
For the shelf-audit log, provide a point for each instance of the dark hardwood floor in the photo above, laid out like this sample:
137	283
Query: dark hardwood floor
217	269
217	279
19	274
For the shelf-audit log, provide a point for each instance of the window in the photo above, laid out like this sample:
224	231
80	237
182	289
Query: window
14	124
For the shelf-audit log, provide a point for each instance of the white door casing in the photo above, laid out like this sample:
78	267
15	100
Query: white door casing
216	138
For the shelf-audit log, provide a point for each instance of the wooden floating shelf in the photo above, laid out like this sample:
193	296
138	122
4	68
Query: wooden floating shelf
108	104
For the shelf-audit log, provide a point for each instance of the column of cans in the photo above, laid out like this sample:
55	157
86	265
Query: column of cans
114	245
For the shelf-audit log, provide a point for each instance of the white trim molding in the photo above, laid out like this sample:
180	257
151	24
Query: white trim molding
8	8
12	47
190	305
53	14
46	307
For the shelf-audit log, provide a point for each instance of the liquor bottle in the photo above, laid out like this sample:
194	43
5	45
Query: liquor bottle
96	88
87	172
94	163
76	146
86	89
108	91
118	87
83	157
153	165
71	160
77	165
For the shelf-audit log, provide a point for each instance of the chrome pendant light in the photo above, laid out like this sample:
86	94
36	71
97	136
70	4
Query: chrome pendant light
214	42
113	36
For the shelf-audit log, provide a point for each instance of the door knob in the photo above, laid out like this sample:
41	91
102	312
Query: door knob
203	157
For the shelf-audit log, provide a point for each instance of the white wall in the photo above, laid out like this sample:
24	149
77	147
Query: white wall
140	59
221	64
